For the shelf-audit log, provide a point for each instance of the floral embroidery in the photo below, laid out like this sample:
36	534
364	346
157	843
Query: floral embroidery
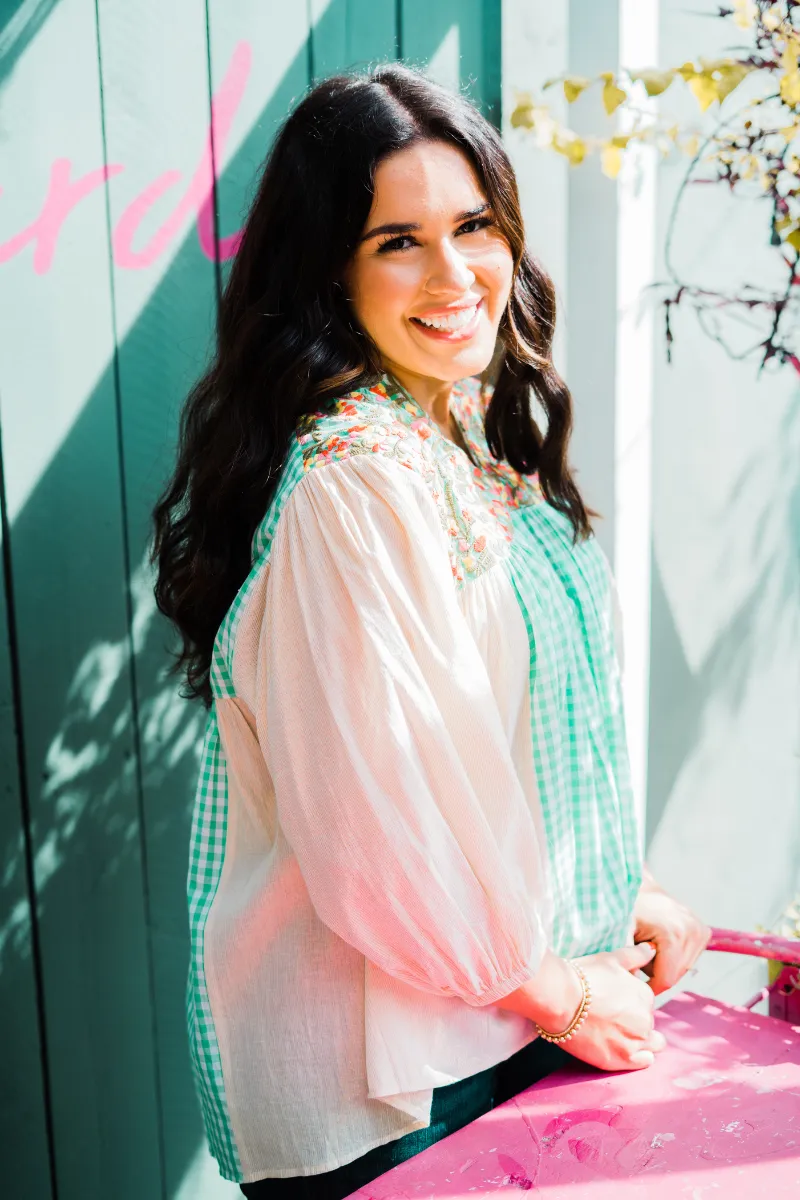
506	487
473	502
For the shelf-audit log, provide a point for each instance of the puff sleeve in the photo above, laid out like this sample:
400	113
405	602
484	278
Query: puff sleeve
394	781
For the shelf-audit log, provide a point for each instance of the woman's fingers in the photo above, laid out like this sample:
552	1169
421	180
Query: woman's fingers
635	958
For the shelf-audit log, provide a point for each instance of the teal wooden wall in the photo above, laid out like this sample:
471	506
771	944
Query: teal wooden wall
109	280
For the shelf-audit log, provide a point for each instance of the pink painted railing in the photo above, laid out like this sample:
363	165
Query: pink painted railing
762	945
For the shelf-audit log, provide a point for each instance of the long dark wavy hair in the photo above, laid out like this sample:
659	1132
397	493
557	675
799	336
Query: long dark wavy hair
288	342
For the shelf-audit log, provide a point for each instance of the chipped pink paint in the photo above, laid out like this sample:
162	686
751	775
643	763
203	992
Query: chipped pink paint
198	199
718	1114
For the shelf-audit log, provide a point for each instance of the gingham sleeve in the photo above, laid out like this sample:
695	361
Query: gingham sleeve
393	776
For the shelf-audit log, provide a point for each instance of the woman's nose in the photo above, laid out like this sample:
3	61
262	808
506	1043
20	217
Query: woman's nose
449	270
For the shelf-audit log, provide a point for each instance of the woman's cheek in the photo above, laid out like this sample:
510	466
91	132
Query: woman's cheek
386	293
499	284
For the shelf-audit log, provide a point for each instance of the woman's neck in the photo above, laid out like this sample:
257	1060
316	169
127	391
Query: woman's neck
432	395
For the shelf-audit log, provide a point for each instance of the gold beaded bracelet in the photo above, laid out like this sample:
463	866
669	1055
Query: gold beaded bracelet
580	1015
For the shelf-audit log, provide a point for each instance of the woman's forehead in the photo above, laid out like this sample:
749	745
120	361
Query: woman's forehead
428	179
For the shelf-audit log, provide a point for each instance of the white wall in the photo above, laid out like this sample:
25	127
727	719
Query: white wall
697	468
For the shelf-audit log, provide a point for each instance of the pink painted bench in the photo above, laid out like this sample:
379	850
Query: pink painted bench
717	1116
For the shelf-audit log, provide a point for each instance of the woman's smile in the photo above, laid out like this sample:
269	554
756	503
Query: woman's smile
456	324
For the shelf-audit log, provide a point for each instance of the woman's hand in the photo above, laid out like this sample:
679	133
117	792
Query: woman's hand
678	935
618	1033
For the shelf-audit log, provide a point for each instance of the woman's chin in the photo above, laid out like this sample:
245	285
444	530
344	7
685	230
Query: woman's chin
453	362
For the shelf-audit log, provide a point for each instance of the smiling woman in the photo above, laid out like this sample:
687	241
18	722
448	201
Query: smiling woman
432	274
414	808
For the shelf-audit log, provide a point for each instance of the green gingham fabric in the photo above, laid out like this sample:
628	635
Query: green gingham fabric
578	731
206	853
207	849
578	735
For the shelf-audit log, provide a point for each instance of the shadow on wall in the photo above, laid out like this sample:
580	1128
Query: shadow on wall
21	21
763	508
111	752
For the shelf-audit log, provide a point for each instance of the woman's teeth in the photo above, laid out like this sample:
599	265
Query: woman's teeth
451	322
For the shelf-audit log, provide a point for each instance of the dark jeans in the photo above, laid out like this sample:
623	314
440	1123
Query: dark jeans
452	1107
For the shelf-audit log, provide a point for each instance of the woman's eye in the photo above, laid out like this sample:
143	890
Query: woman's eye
404	242
475	224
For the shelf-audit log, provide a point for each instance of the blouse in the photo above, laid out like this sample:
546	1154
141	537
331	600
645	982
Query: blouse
414	780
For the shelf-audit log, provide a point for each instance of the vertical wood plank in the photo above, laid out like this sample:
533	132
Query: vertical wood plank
156	108
258	54
264	43
58	413
458	42
351	33
23	1114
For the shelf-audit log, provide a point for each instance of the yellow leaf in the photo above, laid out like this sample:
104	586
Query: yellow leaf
783	223
730	76
790	132
621	140
522	116
790	88
705	90
687	71
574	85
613	95
690	145
714	64
655	82
794	239
571	146
744	13
611	160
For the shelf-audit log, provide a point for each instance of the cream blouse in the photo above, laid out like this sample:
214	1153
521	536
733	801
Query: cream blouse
414	780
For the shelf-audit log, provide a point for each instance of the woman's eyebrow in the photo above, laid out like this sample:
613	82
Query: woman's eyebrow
411	228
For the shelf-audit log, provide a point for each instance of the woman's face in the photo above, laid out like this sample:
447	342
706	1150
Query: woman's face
431	276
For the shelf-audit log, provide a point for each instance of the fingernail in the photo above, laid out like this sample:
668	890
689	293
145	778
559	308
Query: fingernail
643	1058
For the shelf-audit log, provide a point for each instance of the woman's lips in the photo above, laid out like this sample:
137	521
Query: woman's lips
460	334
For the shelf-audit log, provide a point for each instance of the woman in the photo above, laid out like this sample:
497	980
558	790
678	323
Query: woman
414	856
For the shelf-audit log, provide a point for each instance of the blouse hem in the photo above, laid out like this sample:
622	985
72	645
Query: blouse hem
290	1172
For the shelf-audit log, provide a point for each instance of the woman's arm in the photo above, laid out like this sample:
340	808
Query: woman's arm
394	779
618	1033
